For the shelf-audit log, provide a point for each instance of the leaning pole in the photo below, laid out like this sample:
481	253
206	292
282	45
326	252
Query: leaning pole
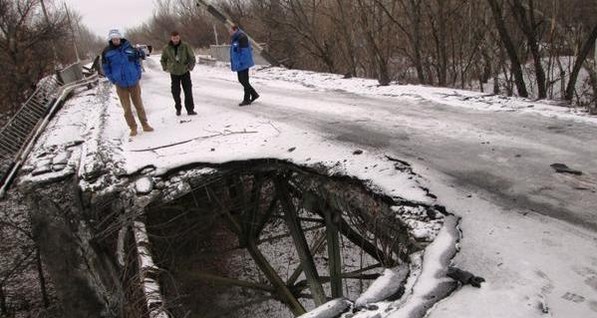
229	23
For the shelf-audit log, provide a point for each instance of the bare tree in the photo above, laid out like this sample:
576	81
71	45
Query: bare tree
184	16
438	42
307	21
19	261
25	37
592	69
195	25
528	24
88	43
580	58
515	61
377	36
343	22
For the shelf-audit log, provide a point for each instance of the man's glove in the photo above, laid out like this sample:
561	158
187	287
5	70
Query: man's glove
465	277
476	281
140	54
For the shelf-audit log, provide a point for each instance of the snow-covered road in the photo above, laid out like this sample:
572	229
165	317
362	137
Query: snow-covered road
531	232
506	154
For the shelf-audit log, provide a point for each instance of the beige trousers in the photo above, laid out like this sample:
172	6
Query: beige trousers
126	94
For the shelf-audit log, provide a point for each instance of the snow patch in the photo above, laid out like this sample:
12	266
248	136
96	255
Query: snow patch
385	286
331	309
144	185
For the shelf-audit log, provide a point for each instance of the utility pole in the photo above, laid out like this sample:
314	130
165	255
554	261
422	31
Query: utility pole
73	33
43	8
216	35
228	22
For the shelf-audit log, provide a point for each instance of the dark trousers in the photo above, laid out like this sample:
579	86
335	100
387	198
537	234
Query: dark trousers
250	93
185	80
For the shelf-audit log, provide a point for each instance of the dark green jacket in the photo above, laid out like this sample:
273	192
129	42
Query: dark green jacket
185	61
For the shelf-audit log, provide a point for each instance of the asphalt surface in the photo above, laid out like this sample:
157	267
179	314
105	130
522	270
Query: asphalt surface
506	154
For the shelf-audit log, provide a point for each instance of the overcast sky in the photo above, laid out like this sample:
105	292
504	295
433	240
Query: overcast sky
102	15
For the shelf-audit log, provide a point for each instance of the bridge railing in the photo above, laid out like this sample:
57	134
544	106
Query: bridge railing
18	136
17	130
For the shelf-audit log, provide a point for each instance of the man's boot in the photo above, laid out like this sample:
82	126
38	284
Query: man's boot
254	96
147	128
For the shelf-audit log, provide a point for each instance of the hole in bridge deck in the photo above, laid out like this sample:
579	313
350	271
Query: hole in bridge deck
272	241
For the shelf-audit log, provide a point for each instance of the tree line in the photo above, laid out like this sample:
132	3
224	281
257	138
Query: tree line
530	48
36	38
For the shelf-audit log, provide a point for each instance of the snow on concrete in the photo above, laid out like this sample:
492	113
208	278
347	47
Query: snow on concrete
385	286
144	185
150	286
223	135
534	266
433	274
331	309
304	80
417	220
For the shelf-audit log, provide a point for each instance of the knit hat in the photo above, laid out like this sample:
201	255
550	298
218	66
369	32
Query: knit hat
114	33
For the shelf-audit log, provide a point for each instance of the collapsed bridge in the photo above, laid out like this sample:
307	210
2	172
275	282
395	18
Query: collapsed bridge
220	237
262	236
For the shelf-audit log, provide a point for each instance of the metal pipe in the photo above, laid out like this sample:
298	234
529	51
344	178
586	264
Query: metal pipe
73	33
27	118
12	140
30	118
35	103
17	130
7	148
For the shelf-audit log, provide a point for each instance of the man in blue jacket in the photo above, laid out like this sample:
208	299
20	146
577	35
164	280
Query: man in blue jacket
121	65
241	59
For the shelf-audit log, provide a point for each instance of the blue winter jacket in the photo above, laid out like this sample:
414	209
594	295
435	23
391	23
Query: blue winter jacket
241	52
121	64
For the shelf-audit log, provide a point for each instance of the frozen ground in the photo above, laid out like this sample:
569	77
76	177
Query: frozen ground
530	232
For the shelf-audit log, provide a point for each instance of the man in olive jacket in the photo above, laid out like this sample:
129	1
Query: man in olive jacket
178	59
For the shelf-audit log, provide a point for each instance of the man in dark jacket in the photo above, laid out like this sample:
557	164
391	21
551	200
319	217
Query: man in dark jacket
241	59
121	65
179	60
